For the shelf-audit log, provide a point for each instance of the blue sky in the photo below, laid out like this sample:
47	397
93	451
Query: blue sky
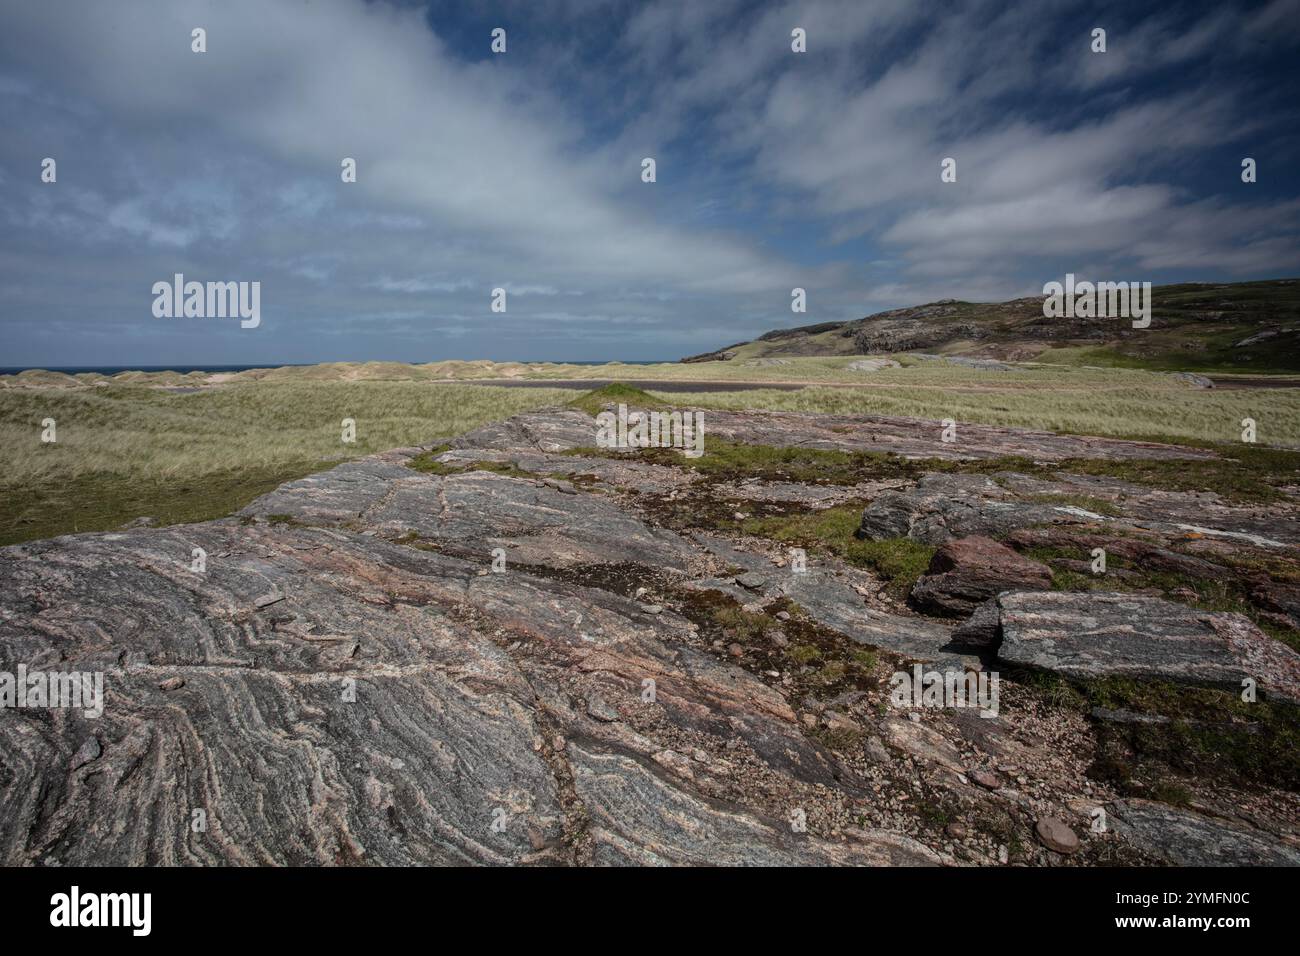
775	169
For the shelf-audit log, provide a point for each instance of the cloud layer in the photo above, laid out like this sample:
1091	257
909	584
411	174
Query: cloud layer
523	171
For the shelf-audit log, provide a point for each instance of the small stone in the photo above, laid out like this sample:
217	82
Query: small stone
266	600
875	750
839	723
986	779
1056	835
88	751
561	486
600	709
751	580
783	615
674	762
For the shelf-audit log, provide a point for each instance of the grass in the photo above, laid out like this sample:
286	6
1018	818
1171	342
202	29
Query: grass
1105	402
898	561
616	393
1243	473
1209	733
125	452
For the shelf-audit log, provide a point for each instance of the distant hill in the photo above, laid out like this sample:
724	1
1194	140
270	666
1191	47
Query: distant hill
1238	326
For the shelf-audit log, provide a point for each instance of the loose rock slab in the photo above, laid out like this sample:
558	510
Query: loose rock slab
1100	634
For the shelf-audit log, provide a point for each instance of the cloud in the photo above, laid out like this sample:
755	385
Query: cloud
776	169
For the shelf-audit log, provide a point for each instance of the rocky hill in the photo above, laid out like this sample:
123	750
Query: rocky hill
519	649
1243	327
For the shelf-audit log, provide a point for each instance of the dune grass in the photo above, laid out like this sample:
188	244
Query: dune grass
1115	403
124	452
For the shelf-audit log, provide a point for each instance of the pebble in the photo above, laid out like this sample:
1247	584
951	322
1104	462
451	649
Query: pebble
600	709
87	752
1055	834
986	779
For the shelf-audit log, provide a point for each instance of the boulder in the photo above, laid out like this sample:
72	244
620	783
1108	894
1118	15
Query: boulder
982	629
966	572
1100	634
941	507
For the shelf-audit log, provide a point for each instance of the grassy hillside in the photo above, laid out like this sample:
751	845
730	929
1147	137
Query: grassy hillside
1205	327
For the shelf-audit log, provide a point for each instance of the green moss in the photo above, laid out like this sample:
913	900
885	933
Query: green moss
899	561
427	462
1245	473
594	402
738	623
1208	733
103	502
803	654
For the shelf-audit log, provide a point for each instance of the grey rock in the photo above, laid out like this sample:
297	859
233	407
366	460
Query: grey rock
1100	634
941	507
1185	838
88	751
982	629
627	798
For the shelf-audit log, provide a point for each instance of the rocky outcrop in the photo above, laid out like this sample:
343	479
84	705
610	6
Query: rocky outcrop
905	334
1185	838
352	676
871	365
942	506
966	572
1099	634
923	438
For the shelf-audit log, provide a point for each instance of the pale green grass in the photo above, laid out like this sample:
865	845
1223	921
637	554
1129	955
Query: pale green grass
1111	403
140	431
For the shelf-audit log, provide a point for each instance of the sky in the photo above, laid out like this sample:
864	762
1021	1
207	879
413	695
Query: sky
523	170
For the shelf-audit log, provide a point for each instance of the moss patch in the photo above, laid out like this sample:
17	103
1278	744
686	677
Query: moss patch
899	561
